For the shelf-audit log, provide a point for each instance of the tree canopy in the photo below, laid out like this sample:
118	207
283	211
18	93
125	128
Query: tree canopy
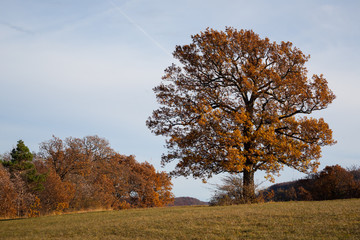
237	103
21	153
77	174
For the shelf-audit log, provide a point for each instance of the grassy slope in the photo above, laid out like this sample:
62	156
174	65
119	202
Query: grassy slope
338	219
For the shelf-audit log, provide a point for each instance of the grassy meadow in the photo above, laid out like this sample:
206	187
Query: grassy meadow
339	219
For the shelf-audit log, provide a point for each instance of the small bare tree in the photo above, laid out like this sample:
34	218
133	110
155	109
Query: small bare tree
230	192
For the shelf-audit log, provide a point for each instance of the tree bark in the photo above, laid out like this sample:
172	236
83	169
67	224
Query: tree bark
248	186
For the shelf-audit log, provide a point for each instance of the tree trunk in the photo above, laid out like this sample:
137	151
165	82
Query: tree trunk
248	186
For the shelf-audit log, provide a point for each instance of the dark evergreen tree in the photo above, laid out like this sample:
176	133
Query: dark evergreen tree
21	153
21	162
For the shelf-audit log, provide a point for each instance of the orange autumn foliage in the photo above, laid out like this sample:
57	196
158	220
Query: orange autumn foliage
80	174
238	103
103	178
333	182
8	194
57	194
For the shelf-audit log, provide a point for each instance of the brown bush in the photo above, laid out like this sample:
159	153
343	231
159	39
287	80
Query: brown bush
8	194
334	182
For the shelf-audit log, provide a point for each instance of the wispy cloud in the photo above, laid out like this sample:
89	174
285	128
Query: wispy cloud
17	28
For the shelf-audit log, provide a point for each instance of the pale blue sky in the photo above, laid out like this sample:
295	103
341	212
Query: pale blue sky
85	67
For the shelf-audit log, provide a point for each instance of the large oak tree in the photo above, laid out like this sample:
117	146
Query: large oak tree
237	103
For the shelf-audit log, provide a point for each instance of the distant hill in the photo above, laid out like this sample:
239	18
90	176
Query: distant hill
283	186
187	201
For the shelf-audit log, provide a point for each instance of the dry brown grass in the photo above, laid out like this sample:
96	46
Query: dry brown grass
338	219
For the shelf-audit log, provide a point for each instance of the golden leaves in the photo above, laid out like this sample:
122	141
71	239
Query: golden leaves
237	103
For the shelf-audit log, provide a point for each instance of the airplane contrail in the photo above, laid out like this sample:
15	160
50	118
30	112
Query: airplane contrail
17	28
139	28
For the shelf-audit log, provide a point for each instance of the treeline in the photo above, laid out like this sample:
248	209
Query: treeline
77	174
333	182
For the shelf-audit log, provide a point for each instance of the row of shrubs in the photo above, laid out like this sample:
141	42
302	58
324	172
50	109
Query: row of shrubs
77	174
333	182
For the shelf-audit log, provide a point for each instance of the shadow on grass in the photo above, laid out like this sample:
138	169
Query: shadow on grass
11	219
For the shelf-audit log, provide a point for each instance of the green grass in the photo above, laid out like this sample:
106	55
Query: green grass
338	219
